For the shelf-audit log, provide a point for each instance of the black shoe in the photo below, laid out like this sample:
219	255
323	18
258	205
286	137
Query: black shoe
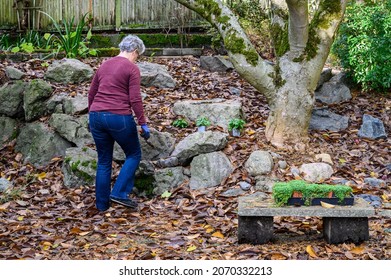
125	202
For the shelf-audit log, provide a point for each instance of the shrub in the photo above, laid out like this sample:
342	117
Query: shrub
363	44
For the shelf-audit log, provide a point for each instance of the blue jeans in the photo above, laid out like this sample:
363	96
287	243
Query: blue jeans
107	128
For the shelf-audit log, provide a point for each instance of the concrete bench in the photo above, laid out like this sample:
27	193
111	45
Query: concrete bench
340	224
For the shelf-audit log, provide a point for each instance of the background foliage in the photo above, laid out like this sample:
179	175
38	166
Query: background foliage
363	44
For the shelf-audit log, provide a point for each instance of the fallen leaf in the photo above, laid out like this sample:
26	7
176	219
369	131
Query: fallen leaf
358	250
326	205
311	251
191	248
218	234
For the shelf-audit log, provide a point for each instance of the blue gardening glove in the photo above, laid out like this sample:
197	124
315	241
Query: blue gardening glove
145	133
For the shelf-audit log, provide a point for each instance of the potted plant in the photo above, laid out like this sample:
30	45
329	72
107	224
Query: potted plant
202	123
298	192
181	123
236	126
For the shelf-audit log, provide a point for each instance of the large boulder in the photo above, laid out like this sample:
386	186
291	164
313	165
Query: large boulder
37	92
14	73
218	111
199	143
372	128
76	105
159	145
79	167
259	163
156	75
215	63
316	172
68	71
11	99
323	119
8	128
209	170
74	129
167	179
39	144
333	92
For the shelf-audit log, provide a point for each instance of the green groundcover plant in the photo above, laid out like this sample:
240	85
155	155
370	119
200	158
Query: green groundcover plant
363	44
282	191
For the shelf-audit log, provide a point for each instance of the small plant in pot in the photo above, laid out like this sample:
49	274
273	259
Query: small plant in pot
236	126
202	123
298	192
181	123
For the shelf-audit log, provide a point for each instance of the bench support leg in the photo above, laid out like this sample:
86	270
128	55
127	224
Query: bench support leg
255	230
339	230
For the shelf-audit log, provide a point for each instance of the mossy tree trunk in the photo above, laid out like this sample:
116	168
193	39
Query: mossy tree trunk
301	45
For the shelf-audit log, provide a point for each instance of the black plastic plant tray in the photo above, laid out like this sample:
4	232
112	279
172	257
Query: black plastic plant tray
316	201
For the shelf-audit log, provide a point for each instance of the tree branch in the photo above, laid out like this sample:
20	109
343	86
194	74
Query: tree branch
247	62
298	24
323	29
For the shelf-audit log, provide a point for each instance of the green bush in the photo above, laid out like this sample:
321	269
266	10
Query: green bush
363	44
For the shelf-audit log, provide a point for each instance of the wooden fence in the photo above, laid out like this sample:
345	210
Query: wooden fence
106	14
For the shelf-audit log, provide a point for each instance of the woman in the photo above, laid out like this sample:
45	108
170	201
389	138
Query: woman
113	95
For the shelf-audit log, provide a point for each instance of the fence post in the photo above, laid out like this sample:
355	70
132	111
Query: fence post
118	15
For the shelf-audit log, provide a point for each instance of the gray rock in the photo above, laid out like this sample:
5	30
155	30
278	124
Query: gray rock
11	99
75	105
209	170
375	182
373	200
153	74
265	183
244	185
316	172
4	185
372	128
74	129
69	70
8	128
259	163
215	63
199	143
233	193
79	167
38	144
282	164
37	92
159	146
218	111
14	73
333	92
323	119
325	76
167	179
55	103
235	91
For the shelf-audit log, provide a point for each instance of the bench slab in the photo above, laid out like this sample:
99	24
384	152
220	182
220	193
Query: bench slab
340	224
251	206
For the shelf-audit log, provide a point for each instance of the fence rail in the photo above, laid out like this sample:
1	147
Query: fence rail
105	14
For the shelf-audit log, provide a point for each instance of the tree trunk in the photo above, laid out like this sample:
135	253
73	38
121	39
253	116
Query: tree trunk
289	117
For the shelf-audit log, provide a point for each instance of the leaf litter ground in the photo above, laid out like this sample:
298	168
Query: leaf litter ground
41	219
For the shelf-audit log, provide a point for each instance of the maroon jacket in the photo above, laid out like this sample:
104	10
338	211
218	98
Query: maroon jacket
116	88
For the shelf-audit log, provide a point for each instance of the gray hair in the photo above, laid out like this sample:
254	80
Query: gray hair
131	43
